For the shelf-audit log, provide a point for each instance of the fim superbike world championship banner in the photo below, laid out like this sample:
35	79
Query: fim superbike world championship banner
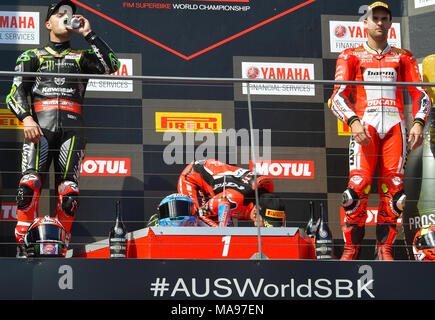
197	280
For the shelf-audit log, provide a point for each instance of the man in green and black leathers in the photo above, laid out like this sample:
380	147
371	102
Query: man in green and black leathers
53	123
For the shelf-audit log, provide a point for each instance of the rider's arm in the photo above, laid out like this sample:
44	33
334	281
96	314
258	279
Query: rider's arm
100	59
420	99
340	103
16	100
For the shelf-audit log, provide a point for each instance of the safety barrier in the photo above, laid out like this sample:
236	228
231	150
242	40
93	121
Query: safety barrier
136	151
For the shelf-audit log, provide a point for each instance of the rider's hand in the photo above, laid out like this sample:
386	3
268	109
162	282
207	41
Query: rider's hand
416	136
85	26
32	131
360	133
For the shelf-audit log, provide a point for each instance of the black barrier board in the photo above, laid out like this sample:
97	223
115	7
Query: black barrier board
210	280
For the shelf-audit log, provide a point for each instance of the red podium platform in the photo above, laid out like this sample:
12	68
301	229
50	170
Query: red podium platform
207	243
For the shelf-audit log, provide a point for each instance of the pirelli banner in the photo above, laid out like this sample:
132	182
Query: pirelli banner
141	134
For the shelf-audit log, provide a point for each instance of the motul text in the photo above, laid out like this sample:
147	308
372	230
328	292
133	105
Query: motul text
106	167
285	169
8	211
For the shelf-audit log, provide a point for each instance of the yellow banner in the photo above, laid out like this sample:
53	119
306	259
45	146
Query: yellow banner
343	129
9	121
188	122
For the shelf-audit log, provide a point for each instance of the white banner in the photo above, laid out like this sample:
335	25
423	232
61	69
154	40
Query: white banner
19	27
278	71
423	3
351	34
126	69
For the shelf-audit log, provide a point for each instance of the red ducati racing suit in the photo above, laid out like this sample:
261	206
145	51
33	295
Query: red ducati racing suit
211	183
381	110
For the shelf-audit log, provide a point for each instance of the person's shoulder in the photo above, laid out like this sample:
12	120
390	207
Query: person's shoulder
405	56
349	53
80	51
28	54
400	51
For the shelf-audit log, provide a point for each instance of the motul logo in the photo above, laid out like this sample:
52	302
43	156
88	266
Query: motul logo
106	167
8	211
285	169
372	217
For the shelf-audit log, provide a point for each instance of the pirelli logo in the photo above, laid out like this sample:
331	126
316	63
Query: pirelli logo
343	129
188	122
9	121
275	214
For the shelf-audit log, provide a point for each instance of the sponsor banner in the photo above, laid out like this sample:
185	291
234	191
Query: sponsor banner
203	5
423	3
19	27
372	217
223	287
161	116
246	1
106	167
343	129
9	121
351	34
8	211
284	169
188	122
278	71
126	69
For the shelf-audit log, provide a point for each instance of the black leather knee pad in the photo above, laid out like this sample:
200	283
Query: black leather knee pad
24	196
70	204
69	192
26	190
398	203
350	200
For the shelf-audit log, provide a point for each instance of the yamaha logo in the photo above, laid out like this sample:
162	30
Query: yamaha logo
340	31
253	72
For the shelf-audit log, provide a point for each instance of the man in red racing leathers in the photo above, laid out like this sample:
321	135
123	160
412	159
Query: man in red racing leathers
379	136
211	183
53	123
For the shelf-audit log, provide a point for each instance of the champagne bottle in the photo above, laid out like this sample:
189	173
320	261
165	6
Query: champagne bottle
323	237
118	236
310	228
